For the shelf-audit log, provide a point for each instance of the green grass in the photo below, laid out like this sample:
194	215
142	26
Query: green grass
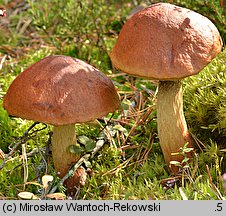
130	165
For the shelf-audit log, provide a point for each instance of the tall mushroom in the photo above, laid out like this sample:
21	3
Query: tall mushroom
61	91
167	43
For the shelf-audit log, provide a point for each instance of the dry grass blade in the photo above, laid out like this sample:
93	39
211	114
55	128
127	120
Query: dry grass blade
182	193
198	142
25	165
140	120
26	136
2	154
196	165
119	167
213	186
2	61
28	154
7	156
143	155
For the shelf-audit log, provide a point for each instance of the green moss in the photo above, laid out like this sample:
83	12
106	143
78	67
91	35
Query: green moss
204	100
134	169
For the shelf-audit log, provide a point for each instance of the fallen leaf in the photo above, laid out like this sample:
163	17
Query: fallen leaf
45	180
56	196
27	196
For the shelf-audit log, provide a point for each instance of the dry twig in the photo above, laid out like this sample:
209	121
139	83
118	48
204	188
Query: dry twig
213	186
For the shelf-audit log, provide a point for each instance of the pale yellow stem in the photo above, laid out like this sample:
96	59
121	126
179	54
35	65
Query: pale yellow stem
63	137
172	128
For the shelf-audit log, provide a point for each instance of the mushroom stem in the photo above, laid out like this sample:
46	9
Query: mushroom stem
63	137
172	128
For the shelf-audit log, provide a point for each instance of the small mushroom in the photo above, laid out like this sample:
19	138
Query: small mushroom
167	43
61	91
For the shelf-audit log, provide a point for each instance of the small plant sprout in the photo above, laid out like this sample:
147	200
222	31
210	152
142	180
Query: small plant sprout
61	91
167	43
183	151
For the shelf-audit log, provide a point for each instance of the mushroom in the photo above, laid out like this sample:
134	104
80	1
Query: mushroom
61	91
167	43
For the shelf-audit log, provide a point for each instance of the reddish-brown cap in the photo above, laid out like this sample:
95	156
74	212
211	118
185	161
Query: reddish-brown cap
166	42
61	90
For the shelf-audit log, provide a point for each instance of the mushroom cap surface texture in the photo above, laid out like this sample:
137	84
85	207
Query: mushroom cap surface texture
166	42
61	90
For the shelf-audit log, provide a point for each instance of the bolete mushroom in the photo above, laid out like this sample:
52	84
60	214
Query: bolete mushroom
61	91
167	43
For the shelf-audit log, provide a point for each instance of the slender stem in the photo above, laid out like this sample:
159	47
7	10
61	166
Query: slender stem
25	165
172	128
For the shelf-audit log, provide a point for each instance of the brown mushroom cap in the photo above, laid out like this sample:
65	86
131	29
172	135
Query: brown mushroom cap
166	42
61	90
